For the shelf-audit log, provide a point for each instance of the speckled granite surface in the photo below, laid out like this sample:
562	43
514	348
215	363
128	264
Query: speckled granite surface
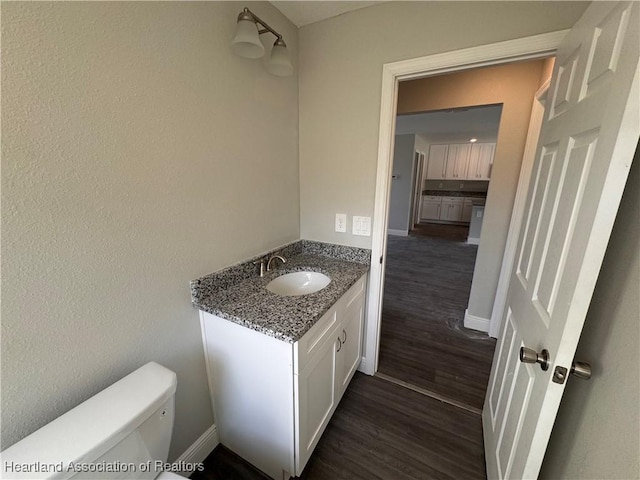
453	193
238	293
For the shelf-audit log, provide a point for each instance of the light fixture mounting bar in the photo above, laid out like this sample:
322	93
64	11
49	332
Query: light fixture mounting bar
246	13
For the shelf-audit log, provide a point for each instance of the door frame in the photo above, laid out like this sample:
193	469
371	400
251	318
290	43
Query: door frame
416	189
526	48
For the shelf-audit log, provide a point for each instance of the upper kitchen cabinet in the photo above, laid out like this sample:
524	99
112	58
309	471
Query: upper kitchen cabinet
480	161
437	164
457	161
460	161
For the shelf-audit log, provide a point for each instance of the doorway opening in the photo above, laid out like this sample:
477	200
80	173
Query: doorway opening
450	147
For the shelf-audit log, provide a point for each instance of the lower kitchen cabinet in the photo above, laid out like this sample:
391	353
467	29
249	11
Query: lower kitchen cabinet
431	206
273	400
446	209
451	209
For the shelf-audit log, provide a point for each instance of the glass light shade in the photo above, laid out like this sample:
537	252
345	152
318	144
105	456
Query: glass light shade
279	63
247	42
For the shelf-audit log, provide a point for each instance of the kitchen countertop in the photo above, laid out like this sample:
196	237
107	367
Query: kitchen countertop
453	193
238	293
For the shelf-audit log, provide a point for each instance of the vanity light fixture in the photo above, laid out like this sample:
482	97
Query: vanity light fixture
473	140
247	43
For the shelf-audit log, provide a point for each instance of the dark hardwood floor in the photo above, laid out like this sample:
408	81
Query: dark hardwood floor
381	431
423	341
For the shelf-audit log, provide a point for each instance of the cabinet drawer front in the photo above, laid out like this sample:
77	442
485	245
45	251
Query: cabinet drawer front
312	341
432	198
453	200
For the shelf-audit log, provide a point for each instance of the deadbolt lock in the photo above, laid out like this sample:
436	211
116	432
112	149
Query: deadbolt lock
578	369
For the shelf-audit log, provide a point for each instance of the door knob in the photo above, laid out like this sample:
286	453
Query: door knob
581	370
528	355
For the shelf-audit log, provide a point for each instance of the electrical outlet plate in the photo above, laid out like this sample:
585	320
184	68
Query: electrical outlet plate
341	222
361	226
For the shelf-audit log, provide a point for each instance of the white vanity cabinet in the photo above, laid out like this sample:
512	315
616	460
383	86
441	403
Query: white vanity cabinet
272	400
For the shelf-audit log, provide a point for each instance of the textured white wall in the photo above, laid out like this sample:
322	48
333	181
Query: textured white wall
340	85
138	153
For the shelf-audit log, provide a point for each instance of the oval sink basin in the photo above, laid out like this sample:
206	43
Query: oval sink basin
298	283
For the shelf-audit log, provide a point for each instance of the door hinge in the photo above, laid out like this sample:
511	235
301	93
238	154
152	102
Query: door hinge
381	259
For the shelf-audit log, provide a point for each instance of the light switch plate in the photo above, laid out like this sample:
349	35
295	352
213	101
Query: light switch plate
361	226
341	222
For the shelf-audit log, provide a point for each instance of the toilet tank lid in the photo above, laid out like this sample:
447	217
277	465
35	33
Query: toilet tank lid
89	430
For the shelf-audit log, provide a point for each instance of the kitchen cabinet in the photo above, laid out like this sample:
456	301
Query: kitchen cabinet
437	163
462	161
272	399
431	206
447	209
451	210
457	161
480	161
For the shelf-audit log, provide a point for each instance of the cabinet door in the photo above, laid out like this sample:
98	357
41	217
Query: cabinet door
430	208
451	209
486	161
457	161
315	389
480	161
437	164
350	343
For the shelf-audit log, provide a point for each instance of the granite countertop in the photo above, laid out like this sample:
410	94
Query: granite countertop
454	193
238	293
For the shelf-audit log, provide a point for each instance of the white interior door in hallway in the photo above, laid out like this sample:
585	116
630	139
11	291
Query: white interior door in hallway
588	138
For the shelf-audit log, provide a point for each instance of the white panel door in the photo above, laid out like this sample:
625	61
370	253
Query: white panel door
588	138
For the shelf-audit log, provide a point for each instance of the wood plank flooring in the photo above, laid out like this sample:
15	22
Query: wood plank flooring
423	340
381	430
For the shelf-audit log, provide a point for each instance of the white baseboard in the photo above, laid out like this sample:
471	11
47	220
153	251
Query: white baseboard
199	450
399	233
476	323
473	241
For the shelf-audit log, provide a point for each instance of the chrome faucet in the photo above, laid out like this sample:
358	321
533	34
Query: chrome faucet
273	257
265	265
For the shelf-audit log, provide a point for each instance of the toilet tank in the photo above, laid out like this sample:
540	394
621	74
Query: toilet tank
120	432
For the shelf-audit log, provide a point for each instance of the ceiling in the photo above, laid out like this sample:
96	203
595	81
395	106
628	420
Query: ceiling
304	13
473	122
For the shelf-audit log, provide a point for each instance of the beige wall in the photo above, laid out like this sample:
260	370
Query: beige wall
596	434
513	86
340	86
138	153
